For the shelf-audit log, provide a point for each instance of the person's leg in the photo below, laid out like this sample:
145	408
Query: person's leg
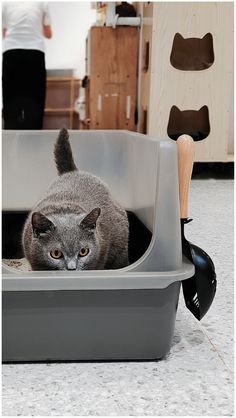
12	84
34	95
24	87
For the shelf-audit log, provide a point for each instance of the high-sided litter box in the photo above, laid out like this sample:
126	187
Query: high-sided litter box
95	315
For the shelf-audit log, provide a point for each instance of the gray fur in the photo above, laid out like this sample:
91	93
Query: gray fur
77	211
63	154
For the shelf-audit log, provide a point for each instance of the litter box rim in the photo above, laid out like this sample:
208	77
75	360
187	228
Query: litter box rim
93	279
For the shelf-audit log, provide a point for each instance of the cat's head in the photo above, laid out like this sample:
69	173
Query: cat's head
65	242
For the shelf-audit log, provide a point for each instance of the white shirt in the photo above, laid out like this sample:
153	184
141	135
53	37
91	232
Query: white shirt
24	22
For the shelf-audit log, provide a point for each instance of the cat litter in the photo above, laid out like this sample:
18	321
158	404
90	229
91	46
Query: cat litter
127	313
20	265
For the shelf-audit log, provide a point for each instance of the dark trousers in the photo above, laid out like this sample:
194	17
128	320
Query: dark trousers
23	88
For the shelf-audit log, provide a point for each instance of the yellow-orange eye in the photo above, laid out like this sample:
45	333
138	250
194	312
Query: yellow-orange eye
56	254
83	252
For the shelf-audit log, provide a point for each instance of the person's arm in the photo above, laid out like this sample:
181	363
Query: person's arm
47	31
4	20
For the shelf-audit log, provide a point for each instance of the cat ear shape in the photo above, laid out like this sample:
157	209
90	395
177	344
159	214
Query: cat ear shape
90	220
203	109
179	37
207	36
175	109
41	224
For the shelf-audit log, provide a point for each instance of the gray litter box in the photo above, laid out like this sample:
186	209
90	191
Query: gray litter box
95	315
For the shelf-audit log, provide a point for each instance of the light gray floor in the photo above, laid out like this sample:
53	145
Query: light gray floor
196	378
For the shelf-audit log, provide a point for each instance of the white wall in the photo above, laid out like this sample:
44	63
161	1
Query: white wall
70	24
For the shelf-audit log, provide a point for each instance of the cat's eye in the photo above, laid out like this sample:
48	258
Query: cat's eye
56	254
83	252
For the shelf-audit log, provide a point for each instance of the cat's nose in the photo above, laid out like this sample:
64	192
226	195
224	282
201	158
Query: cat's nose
71	265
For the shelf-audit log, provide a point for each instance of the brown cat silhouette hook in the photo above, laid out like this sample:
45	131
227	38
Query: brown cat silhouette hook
192	54
191	122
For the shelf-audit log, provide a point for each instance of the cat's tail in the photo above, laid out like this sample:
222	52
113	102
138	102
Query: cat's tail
63	154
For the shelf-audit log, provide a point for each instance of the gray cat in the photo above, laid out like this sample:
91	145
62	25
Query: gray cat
77	225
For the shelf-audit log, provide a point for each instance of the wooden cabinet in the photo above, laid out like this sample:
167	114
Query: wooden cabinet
61	94
112	58
162	86
145	65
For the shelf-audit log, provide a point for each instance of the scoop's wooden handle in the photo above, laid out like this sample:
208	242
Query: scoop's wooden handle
185	149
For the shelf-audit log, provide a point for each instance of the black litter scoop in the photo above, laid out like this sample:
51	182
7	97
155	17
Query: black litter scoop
199	290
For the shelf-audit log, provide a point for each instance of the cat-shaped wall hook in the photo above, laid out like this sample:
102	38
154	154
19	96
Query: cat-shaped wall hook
191	122
192	54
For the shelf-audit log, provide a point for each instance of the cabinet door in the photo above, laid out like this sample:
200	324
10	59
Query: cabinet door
113	78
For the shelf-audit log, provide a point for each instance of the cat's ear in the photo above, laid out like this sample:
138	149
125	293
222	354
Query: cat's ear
178	37
175	110
41	224
207	37
203	109
90	220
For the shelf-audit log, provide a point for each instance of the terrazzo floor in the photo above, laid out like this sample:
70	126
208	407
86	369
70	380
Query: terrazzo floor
195	379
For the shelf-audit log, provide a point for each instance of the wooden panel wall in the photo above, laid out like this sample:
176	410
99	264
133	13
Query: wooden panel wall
164	86
193	89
